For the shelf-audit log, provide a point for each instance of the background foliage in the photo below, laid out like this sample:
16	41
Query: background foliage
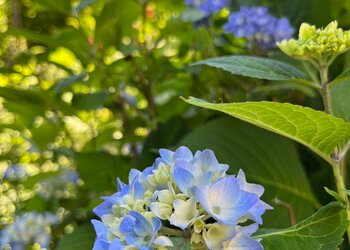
94	86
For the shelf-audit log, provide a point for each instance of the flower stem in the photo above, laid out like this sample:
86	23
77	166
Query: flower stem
338	165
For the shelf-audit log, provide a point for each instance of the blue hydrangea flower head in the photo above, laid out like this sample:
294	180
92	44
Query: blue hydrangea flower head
208	7
181	192
28	228
259	27
61	186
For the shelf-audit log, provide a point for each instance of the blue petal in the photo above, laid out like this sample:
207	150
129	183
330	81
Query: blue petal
183	179
103	208
166	155
127	224
142	226
120	185
183	153
136	190
100	228
134	173
100	245
116	244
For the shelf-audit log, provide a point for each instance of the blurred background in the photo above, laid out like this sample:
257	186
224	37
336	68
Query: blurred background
90	89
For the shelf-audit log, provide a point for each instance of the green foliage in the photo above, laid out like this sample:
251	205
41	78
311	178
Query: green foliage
323	230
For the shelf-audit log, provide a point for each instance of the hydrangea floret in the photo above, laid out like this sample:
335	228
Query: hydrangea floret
258	26
208	7
16	172
28	229
318	46
181	196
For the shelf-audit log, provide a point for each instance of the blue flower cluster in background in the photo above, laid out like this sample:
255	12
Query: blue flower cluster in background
259	27
15	173
61	186
181	196
28	229
208	7
256	24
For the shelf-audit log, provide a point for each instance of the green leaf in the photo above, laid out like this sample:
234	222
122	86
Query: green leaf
266	158
100	170
343	76
335	195
82	238
316	130
256	67
45	134
340	93
324	231
90	101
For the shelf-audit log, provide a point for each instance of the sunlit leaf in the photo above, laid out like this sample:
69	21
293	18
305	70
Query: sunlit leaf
315	129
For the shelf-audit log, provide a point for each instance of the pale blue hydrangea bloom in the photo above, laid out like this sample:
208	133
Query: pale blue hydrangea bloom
208	7
181	190
29	228
259	27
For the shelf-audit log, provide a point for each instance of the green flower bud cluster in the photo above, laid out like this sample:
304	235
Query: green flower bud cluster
320	46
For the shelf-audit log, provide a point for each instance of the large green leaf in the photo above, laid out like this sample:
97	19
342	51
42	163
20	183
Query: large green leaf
82	238
324	231
340	98
315	129
256	67
266	158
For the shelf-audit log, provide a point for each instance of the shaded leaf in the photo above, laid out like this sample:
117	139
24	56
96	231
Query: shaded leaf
266	158
324	230
90	101
315	129
83	237
340	98
99	170
256	67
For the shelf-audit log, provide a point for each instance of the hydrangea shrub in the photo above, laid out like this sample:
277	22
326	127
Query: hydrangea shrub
181	195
